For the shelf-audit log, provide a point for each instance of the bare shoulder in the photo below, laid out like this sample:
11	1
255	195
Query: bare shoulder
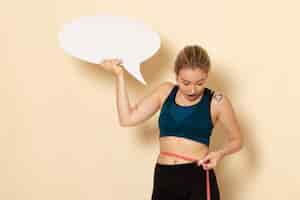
220	101
165	89
218	97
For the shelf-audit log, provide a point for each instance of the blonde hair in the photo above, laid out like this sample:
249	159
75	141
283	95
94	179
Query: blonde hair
192	56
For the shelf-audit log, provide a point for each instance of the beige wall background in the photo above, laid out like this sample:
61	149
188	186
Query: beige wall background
60	137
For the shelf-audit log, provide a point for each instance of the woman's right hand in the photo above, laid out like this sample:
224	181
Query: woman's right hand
112	65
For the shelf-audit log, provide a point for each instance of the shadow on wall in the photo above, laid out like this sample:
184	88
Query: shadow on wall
228	178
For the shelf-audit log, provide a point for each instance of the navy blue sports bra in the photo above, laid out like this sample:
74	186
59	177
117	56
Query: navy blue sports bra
193	122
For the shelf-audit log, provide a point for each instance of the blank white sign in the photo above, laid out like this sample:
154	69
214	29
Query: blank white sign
94	38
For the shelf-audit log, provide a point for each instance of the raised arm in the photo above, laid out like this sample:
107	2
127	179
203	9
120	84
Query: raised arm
142	110
139	112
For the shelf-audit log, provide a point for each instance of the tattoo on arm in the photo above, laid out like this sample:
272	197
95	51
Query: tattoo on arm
218	96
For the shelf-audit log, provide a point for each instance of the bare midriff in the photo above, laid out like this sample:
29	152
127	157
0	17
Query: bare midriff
181	146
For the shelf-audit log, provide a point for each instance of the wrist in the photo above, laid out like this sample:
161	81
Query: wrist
120	73
221	153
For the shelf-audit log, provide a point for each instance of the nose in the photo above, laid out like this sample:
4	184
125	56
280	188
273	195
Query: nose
193	90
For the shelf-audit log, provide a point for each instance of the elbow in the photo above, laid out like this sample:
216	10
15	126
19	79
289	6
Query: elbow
240	145
124	124
237	144
125	121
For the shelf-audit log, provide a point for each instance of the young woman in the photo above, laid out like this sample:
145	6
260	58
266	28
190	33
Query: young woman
189	111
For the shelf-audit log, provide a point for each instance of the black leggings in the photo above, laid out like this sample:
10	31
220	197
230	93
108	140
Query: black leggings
183	182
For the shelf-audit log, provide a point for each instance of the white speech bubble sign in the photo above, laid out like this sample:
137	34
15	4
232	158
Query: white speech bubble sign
94	38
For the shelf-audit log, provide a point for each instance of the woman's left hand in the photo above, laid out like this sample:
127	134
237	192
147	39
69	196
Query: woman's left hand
210	160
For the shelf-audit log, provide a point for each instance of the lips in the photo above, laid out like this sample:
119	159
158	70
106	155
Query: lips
192	96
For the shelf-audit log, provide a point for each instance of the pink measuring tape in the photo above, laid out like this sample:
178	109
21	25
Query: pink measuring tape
191	159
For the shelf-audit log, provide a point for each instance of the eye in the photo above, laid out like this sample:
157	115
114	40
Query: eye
200	83
185	83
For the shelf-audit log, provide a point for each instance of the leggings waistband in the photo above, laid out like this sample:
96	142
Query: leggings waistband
194	161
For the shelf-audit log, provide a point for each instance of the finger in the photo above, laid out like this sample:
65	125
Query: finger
115	62
201	161
205	159
119	61
206	167
210	166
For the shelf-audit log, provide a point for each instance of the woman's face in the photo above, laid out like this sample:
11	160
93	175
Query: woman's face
191	82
